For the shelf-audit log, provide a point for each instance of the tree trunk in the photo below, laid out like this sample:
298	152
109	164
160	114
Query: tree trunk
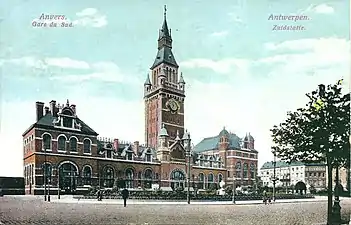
330	190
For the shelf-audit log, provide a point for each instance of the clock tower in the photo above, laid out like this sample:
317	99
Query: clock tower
164	93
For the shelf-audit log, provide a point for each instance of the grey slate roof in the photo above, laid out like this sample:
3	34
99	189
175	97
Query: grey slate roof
282	164
164	55
47	122
147	81
211	143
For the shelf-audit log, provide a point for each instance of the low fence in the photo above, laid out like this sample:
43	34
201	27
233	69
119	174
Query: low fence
183	196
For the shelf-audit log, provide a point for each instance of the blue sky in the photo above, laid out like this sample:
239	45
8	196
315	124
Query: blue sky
239	72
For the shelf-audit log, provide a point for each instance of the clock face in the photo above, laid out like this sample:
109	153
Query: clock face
172	105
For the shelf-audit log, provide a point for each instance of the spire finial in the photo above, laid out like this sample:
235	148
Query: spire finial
67	103
165	12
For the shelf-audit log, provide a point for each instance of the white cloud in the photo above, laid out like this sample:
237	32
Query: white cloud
324	9
220	33
224	66
44	63
318	9
102	71
67	63
90	17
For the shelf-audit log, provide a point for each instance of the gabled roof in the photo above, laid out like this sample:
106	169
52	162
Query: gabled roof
47	122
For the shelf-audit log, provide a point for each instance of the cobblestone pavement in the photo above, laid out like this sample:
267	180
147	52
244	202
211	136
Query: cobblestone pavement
33	210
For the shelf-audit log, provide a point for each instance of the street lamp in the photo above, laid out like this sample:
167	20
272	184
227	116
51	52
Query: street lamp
234	188
274	179
45	168
58	182
187	143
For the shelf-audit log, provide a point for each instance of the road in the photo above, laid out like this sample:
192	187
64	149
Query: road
32	210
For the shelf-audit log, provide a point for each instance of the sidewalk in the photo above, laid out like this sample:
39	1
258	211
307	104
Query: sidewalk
183	202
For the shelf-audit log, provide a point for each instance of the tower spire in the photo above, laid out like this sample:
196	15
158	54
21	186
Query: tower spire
165	12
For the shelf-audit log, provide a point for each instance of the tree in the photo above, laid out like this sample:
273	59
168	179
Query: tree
318	132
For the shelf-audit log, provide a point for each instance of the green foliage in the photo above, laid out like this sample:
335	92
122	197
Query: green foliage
318	132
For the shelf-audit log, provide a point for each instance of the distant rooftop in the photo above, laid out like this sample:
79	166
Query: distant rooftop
282	164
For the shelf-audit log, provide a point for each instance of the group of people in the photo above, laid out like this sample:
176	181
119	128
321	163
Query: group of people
124	193
266	199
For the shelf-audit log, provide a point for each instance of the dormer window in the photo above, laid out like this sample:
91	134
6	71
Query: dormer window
148	157
201	162
109	154
129	155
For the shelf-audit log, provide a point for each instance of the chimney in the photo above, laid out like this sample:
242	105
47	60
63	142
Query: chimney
73	107
39	110
136	147
115	144
47	111
53	107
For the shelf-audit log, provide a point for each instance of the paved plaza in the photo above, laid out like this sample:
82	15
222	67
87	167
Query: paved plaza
33	210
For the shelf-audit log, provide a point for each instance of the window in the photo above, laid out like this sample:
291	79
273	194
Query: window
87	146
109	154
210	180
67	122
147	178
108	177
61	143
129	178
87	175
73	144
129	155
201	162
148	157
220	178
211	163
219	164
47	142
201	181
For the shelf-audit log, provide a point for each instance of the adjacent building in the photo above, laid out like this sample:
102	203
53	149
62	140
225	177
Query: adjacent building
62	151
288	175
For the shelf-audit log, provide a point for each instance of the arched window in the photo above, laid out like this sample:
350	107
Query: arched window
252	170
46	142
87	146
87	175
109	177
147	178
201	181
177	178
61	143
129	178
238	169
73	144
67	120
68	176
220	177
245	170
210	180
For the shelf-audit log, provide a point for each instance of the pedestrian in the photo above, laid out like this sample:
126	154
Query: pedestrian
269	200
125	195
265	197
99	195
